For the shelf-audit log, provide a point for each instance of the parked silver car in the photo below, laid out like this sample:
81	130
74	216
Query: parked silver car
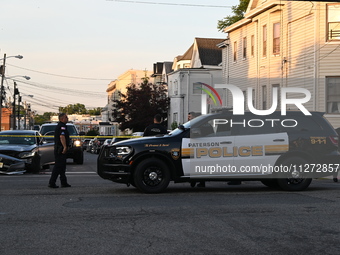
10	165
29	146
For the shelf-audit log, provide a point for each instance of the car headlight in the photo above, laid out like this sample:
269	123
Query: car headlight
77	143
27	154
120	152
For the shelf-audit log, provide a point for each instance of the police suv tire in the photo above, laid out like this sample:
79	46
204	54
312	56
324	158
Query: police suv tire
152	176
290	183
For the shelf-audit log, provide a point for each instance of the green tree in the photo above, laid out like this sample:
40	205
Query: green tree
74	109
95	111
135	109
238	14
92	132
45	117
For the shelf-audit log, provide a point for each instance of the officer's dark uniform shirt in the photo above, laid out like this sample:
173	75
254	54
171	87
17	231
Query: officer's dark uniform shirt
61	129
155	129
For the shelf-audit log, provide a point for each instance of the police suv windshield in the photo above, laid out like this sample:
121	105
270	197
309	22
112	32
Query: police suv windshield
187	125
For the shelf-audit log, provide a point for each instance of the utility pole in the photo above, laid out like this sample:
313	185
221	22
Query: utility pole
25	107
19	101
2	88
16	92
29	116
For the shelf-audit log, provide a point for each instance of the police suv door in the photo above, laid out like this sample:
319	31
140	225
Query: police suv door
208	152
258	144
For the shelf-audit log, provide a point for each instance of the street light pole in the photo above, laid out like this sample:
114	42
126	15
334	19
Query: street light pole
2	88
19	101
2	83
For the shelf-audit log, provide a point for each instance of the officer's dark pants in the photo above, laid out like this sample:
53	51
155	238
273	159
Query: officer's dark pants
59	169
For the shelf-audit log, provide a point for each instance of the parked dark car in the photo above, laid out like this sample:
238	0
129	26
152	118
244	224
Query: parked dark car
29	146
86	144
89	146
75	150
10	165
97	144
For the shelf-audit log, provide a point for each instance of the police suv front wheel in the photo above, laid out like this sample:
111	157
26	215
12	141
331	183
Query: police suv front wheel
293	179
152	176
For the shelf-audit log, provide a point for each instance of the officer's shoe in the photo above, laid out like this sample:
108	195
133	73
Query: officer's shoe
53	186
66	185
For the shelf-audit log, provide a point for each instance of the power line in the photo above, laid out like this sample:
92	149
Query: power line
63	90
182	4
59	75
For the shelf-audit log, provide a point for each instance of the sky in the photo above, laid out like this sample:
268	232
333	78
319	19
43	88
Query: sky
72	49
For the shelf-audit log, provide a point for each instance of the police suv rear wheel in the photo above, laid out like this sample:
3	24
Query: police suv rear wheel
152	176
294	180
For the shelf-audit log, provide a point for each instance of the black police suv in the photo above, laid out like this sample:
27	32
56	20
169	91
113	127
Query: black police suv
75	150
286	152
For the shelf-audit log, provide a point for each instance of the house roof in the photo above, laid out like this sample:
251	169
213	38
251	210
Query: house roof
168	67
187	55
209	53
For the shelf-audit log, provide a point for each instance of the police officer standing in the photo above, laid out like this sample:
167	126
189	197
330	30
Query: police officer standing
61	142
156	128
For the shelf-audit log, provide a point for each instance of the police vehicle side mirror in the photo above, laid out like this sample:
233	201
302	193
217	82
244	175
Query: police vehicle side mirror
181	127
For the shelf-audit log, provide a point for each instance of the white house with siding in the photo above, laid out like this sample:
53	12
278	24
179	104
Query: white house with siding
286	44
193	72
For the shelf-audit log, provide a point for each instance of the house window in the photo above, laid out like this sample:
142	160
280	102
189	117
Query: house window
245	99
175	117
235	51
252	45
276	38
264	97
175	87
333	21
264	41
197	88
278	96
244	47
333	94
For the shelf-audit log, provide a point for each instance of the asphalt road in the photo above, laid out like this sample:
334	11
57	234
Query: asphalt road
96	216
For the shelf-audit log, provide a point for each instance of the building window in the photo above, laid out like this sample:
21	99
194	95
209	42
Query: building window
333	94
235	52
245	99
175	87
276	38
175	117
197	88
333	21
264	97
264	41
244	47
278	96
252	45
